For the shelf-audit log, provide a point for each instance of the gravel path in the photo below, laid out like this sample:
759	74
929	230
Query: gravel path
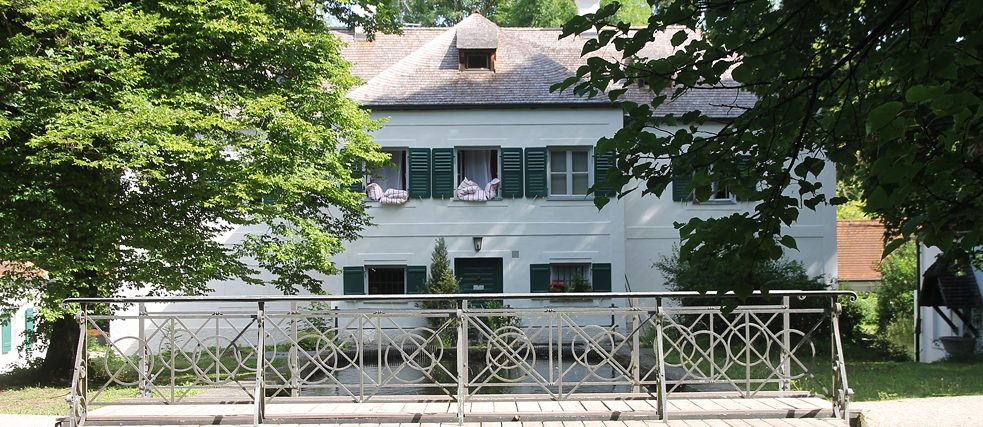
955	411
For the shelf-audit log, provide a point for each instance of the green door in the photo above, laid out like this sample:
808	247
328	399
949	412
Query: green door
479	275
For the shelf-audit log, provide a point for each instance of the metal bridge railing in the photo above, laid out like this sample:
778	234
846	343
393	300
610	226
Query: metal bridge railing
561	346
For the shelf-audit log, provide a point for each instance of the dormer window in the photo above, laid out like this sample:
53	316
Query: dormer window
477	60
477	41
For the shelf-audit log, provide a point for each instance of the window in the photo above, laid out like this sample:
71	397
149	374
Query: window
720	193
477	60
393	174
569	172
386	280
480	166
570	278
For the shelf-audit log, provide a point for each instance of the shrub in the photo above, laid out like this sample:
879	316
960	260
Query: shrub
440	281
895	295
719	275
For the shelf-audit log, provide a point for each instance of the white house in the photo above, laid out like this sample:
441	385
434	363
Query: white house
473	102
17	317
948	307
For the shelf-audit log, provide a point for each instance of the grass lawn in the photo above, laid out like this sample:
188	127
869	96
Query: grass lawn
872	380
46	400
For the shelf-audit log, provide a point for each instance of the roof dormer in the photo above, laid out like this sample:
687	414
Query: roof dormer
477	43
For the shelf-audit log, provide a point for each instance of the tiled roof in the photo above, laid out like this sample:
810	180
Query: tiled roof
419	68
859	245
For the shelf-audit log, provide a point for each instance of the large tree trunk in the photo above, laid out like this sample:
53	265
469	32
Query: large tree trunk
59	362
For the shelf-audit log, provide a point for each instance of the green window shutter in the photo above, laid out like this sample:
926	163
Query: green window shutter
419	185
443	172
511	172
680	182
29	327
602	164
354	278
536	172
539	278
601	277
7	335
744	163
358	171
416	279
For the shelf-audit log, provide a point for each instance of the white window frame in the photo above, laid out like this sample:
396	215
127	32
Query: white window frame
458	177
569	172
404	173
386	266
587	274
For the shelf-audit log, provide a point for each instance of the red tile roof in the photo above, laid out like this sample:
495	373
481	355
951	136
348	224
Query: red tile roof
859	245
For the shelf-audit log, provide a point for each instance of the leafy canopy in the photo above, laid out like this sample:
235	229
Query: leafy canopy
136	136
887	89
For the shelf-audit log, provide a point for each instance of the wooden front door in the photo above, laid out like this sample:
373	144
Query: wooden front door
479	275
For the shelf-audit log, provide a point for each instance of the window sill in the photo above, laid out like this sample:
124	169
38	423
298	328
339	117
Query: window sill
571	198
493	202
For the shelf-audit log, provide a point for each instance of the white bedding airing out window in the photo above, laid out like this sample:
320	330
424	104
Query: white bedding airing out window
480	166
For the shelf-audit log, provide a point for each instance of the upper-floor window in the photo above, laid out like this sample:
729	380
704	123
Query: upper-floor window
569	171
387	184
477	174
386	280
720	193
391	174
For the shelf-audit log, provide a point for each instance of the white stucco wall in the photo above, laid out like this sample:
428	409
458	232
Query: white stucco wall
15	356
629	234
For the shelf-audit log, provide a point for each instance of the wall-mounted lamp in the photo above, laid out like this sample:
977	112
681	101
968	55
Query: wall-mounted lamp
477	243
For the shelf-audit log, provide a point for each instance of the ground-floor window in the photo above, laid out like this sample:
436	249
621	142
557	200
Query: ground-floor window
386	280
570	278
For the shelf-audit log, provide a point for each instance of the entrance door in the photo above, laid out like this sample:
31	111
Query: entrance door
479	275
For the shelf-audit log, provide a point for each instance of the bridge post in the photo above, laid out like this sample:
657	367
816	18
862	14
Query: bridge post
462	358
294	352
636	347
786	369
142	351
259	396
660	356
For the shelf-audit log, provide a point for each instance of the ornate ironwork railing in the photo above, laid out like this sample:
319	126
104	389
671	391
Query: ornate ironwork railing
560	346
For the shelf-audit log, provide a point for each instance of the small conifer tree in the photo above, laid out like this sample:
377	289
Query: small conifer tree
441	281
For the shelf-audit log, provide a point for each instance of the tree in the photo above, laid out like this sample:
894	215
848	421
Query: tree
535	13
891	89
633	12
134	134
445	13
441	281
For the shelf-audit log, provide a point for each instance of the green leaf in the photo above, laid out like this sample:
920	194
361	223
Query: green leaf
789	242
882	115
679	38
920	93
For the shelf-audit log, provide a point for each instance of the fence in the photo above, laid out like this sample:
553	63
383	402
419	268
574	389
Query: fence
561	346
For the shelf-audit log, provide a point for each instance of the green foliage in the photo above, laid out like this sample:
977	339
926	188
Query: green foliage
899	277
445	13
633	12
719	275
535	13
135	135
441	279
861	86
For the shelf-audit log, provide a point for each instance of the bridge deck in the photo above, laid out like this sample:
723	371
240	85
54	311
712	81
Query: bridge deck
803	411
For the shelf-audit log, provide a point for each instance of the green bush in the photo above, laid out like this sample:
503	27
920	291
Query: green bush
895	295
783	274
900	333
859	318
